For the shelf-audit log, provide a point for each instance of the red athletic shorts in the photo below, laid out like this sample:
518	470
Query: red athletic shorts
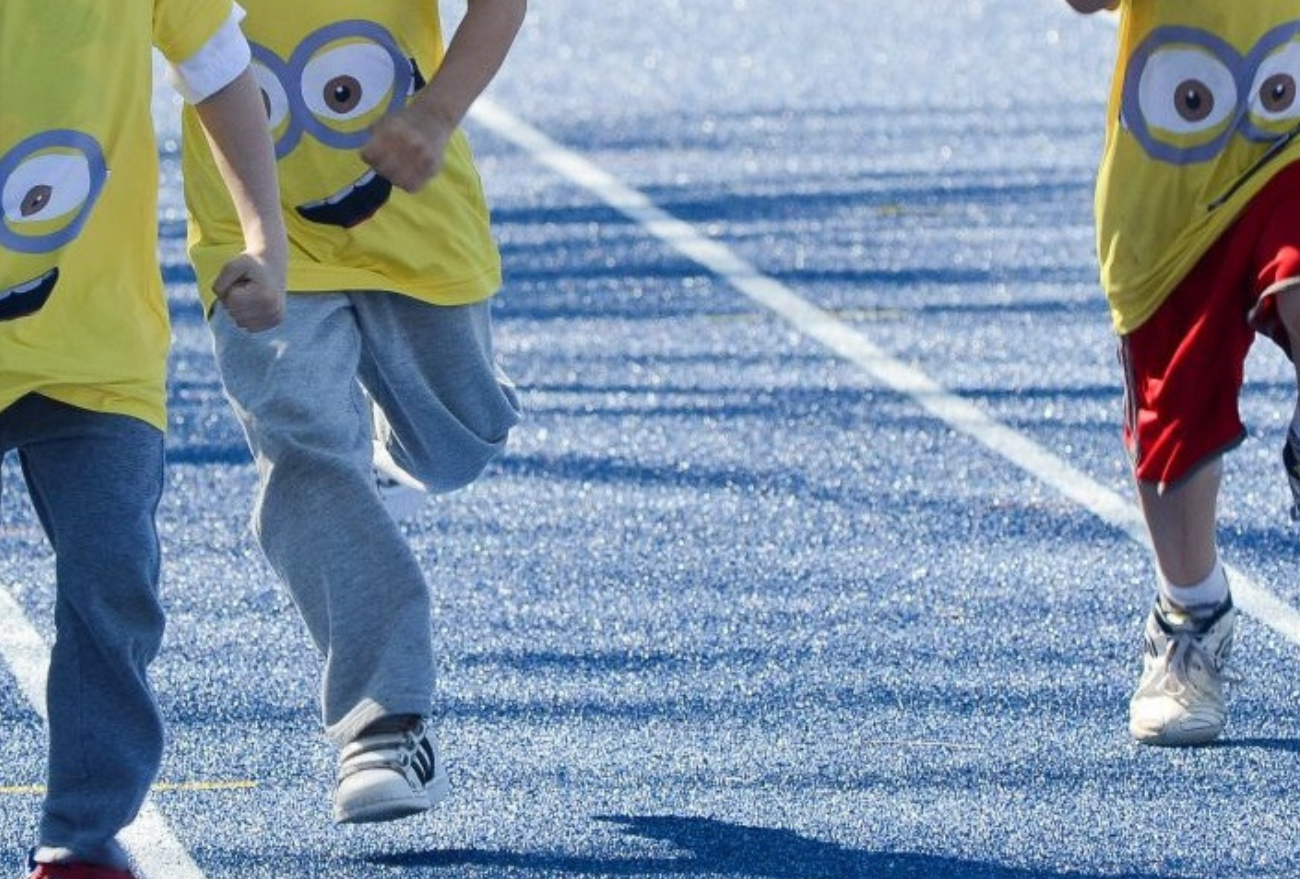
1184	367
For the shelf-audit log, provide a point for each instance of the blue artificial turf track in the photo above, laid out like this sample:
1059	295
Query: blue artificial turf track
815	555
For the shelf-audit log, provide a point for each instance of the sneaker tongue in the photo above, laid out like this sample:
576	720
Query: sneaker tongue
395	723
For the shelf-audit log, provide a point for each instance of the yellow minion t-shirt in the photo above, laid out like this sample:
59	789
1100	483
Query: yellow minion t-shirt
1202	102
329	70
83	319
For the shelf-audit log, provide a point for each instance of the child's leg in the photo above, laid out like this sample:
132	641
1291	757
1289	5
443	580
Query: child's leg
95	481
1183	377
1288	312
318	516
1285	330
325	530
1189	630
432	371
1181	522
1184	369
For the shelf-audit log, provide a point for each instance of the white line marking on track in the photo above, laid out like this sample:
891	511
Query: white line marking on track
816	323
156	850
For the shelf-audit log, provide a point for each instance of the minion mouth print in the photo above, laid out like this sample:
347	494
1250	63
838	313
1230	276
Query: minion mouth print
350	206
28	298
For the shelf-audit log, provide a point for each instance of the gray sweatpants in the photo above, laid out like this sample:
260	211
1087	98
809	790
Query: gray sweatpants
300	391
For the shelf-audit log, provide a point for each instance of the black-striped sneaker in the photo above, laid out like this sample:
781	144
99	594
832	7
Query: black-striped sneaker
1291	461
390	771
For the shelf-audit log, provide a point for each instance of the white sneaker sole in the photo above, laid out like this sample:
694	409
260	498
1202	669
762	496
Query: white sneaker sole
1200	728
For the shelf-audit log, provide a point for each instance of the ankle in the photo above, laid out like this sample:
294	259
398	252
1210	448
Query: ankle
1201	598
391	723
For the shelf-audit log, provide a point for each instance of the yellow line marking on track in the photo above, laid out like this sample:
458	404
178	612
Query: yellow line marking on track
161	787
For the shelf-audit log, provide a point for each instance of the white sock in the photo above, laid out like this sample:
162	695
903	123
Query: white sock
1203	596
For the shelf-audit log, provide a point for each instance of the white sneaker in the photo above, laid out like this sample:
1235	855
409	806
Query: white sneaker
402	493
1179	700
388	775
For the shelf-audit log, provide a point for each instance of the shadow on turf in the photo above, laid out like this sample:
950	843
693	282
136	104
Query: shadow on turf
1290	746
717	848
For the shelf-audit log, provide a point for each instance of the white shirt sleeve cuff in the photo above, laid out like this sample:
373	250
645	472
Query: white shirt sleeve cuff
221	59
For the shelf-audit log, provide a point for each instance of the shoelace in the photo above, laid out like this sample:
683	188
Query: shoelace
396	749
1182	646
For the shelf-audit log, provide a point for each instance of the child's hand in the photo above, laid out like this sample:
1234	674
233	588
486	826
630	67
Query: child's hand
251	287
407	148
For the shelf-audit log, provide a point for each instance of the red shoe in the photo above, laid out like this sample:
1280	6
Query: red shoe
77	870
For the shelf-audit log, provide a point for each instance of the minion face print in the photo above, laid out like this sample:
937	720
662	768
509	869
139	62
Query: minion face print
49	184
1204	110
323	99
330	71
1190	96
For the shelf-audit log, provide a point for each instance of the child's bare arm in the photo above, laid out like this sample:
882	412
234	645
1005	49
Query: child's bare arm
251	286
1090	6
407	147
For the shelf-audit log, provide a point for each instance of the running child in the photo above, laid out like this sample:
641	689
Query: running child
83	350
1198	234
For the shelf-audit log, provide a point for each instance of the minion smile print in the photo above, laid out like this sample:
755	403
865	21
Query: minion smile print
24	299
352	205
